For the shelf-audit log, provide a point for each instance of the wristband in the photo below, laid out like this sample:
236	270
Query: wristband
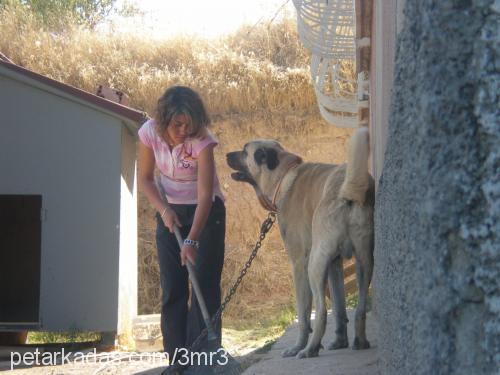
189	242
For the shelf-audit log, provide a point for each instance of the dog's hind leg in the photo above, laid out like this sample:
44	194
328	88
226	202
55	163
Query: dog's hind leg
336	283
363	246
304	301
318	264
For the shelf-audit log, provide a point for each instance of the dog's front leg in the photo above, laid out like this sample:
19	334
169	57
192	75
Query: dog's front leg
336	282
364	268
304	305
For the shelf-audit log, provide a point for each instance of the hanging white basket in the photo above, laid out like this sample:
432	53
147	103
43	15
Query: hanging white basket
327	29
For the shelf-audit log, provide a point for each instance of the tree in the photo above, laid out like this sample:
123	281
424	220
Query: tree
55	14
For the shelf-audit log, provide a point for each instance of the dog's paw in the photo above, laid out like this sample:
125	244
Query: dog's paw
291	352
308	352
360	344
338	344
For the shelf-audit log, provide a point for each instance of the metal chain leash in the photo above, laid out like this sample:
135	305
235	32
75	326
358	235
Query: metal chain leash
264	229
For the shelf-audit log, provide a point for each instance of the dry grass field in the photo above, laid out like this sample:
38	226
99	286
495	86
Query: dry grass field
256	85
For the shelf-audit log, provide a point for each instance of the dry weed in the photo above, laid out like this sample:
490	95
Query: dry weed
256	85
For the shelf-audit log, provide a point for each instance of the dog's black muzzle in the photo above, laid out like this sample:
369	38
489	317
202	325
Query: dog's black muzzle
234	161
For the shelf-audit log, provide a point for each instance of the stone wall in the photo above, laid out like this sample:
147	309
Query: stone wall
437	252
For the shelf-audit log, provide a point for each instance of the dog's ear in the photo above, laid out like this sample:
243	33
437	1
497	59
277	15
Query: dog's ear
268	156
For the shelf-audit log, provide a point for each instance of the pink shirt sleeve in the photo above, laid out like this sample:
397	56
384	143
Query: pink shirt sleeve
202	143
146	133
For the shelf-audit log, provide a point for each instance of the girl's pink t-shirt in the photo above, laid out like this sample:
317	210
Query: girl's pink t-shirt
179	166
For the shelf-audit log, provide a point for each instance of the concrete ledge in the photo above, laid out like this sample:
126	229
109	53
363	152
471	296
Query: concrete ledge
343	361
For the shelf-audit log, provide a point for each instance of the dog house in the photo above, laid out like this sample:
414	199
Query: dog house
68	207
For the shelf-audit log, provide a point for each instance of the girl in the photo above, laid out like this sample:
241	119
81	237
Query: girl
179	143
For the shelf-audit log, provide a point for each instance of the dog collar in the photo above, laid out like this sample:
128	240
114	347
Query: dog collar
267	204
295	163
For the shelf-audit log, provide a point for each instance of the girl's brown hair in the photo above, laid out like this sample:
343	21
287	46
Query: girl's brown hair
177	100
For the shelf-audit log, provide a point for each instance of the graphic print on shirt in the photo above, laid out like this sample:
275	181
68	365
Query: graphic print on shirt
185	157
185	164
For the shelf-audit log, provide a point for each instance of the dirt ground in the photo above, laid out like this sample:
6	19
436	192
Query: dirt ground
245	345
265	360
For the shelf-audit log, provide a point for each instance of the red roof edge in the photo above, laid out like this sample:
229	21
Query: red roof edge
127	112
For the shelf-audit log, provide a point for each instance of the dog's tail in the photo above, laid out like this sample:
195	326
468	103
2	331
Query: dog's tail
357	179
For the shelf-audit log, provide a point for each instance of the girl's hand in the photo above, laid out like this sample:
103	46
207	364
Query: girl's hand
188	252
170	218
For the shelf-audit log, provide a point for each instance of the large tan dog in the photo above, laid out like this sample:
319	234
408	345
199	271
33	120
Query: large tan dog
325	213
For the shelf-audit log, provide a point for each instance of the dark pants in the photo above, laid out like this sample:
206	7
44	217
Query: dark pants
180	326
